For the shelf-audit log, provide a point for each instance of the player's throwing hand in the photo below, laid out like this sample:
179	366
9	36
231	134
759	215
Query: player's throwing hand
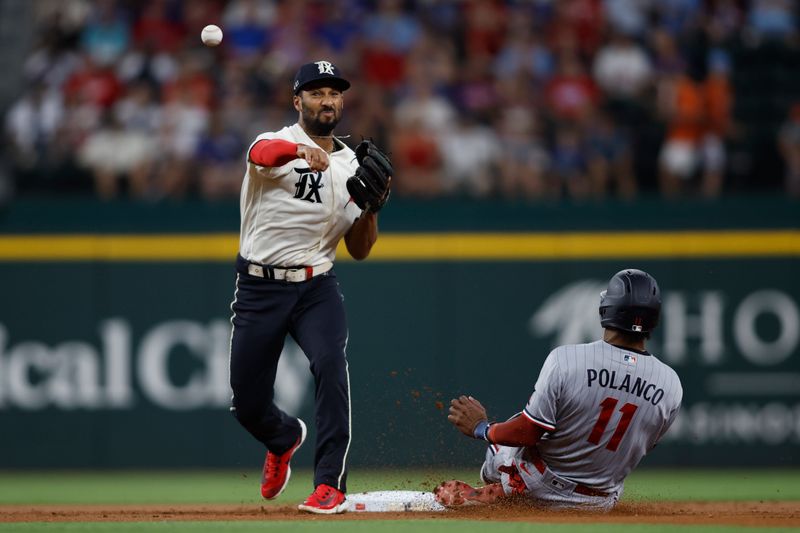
466	413
316	158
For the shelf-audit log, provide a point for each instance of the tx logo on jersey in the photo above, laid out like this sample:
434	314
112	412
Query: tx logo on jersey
324	67
308	185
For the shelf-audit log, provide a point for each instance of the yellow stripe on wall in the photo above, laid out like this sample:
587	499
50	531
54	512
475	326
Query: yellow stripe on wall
202	247
566	246
421	246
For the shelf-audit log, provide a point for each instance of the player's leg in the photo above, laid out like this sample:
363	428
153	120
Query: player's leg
489	472
498	456
261	310
550	490
319	326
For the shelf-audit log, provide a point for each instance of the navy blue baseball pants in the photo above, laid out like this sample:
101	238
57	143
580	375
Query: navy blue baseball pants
312	312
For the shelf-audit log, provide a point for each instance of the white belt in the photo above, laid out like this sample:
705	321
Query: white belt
293	275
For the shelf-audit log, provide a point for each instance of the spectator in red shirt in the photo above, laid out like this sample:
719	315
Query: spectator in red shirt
389	35
485	24
158	29
93	83
571	93
192	81
415	154
582	20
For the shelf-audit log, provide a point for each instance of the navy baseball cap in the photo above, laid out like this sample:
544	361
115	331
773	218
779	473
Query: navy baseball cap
319	71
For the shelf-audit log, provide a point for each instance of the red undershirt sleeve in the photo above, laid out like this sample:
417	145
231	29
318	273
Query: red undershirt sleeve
272	152
518	431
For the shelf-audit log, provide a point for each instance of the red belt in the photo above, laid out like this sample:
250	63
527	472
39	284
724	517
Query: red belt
580	489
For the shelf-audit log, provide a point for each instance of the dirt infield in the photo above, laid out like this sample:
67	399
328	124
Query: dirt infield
711	513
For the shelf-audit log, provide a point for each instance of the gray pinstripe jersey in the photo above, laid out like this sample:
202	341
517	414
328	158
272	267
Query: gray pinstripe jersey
604	408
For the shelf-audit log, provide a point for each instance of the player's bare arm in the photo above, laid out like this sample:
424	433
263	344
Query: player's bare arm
469	416
361	237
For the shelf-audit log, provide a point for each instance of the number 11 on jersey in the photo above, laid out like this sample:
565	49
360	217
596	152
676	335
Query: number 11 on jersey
606	410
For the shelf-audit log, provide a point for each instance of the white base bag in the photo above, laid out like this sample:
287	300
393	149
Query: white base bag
393	501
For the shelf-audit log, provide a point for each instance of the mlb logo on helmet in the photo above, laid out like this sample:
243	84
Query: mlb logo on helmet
637	324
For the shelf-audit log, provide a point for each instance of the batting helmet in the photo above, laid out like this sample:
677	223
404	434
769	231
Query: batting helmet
631	303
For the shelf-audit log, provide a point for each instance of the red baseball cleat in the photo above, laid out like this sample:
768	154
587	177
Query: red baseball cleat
325	500
276	473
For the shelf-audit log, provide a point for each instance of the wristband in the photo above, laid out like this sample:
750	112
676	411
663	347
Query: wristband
481	430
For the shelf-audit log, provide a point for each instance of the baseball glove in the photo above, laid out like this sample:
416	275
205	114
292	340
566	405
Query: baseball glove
369	186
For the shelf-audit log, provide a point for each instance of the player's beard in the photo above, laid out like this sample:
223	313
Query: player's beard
316	124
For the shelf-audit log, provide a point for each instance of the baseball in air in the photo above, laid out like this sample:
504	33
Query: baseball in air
211	35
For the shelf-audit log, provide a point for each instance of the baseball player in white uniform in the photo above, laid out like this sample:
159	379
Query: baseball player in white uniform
295	208
596	410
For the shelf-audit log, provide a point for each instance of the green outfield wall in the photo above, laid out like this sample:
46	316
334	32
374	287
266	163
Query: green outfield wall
114	333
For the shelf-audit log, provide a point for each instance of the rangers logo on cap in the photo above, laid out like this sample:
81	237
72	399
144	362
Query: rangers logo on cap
323	72
325	67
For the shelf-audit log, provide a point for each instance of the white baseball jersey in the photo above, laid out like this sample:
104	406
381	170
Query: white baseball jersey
292	216
604	408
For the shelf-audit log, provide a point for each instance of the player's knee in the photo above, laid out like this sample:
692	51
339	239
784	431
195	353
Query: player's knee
245	412
329	364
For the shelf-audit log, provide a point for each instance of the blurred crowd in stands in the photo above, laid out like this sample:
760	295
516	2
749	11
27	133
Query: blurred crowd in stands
532	99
